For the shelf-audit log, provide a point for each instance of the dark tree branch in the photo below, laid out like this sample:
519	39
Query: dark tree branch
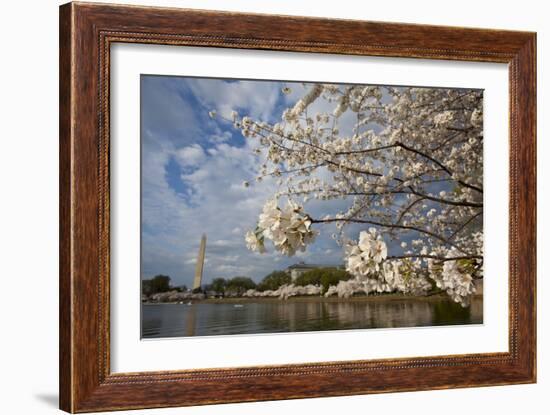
464	225
449	172
390	226
408	208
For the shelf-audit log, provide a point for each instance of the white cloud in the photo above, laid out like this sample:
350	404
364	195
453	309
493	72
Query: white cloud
220	138
191	155
259	98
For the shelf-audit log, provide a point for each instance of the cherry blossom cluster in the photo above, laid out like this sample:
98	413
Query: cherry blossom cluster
408	161
367	261
288	228
365	257
456	281
455	276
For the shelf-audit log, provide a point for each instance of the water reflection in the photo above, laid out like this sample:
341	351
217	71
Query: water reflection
207	319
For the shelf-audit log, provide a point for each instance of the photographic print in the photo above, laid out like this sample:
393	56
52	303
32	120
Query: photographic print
276	206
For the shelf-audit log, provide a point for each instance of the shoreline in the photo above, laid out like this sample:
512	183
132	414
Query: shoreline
310	299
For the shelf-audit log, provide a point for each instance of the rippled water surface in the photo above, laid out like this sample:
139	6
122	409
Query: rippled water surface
208	319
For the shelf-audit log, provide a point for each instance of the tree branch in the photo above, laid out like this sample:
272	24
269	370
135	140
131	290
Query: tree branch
463	183
391	226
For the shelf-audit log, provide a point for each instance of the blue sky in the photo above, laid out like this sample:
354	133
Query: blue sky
193	169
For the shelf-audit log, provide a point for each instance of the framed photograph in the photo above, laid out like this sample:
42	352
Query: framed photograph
253	208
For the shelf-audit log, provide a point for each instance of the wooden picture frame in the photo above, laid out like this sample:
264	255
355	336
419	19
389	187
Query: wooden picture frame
86	33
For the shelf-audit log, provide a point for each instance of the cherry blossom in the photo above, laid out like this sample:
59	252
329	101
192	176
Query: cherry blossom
409	165
254	243
288	228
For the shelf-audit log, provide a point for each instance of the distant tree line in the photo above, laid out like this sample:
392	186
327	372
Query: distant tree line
237	286
159	284
323	277
274	280
233	286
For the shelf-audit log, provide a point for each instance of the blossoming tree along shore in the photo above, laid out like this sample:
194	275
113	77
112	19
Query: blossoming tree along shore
410	168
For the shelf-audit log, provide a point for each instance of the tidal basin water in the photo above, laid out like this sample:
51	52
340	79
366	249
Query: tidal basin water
210	319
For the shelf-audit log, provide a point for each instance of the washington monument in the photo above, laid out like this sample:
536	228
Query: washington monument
200	264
